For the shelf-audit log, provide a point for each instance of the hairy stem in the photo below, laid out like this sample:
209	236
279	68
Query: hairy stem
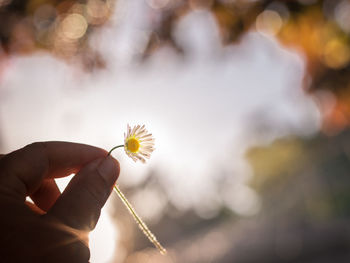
139	222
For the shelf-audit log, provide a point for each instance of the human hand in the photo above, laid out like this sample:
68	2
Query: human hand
55	228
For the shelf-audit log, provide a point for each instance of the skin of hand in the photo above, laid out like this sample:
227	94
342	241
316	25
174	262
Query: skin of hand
55	228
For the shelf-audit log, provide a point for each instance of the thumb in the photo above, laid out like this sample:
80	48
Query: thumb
80	204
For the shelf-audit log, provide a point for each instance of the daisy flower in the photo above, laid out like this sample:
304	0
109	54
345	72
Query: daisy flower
138	143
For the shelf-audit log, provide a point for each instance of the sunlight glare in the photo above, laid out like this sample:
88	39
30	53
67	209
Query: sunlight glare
103	239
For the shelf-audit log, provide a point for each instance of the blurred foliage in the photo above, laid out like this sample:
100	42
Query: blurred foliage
316	168
319	30
304	184
283	156
61	27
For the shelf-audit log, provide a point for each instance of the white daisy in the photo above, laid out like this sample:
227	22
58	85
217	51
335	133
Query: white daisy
138	143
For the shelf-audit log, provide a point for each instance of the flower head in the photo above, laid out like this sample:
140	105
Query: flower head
138	143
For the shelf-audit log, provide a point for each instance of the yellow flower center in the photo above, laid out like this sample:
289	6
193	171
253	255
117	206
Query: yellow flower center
133	144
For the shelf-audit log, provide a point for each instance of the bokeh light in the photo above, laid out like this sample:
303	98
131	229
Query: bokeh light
336	53
73	26
269	22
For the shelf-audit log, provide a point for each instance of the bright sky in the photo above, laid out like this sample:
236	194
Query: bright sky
199	108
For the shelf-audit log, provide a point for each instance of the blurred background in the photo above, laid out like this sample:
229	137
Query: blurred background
249	102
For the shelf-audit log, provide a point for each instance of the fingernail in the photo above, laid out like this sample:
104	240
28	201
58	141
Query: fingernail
109	170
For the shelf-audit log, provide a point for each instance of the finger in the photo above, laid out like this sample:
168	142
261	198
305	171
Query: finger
23	171
34	208
80	204
46	195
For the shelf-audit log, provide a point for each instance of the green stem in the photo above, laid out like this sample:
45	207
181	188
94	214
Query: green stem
109	153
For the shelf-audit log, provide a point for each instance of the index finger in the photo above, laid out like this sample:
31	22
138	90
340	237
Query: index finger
22	171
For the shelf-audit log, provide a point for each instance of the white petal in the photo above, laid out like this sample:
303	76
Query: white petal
141	132
146	136
129	131
141	129
146	154
147	147
134	129
147	141
137	129
140	158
